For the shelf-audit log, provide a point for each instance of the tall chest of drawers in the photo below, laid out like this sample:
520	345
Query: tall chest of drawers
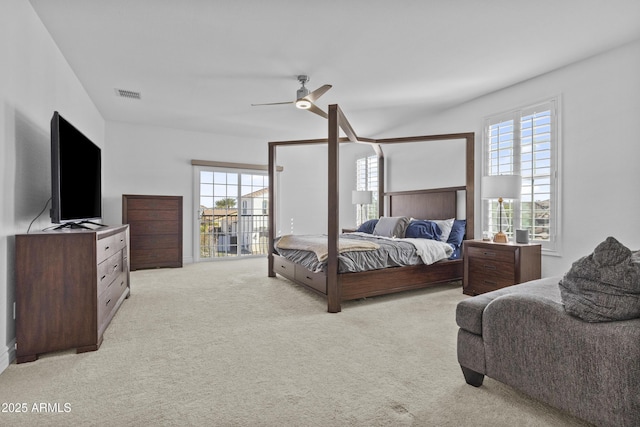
489	266
69	286
156	230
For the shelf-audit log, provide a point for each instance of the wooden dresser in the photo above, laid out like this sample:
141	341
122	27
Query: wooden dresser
489	266
69	285
155	224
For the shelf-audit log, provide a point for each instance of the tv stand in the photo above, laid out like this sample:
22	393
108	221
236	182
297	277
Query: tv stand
79	224
69	285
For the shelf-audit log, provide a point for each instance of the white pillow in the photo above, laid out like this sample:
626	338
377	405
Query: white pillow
445	226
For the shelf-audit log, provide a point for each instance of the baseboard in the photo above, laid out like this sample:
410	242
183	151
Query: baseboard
8	355
187	260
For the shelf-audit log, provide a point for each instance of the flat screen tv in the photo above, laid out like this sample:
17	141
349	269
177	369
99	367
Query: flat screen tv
76	188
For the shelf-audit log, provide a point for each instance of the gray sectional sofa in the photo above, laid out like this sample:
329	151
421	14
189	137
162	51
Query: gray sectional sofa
523	337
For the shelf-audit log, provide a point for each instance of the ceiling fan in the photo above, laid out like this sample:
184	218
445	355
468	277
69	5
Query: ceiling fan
304	98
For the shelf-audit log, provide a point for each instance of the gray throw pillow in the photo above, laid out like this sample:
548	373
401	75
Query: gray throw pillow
391	226
603	286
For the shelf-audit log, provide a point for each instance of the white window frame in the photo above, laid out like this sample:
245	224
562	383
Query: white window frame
365	182
207	166
551	246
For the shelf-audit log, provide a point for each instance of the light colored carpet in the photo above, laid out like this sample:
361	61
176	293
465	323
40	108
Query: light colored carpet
221	344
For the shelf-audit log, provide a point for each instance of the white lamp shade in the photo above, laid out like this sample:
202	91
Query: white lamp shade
505	186
361	197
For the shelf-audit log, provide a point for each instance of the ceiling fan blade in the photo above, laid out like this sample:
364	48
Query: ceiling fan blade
318	111
318	93
273	103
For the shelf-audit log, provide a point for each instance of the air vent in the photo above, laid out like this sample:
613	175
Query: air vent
127	94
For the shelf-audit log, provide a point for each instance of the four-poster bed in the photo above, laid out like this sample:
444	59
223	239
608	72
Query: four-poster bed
438	203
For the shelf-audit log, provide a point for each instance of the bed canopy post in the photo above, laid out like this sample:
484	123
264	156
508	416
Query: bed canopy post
271	207
333	290
470	184
365	284
380	154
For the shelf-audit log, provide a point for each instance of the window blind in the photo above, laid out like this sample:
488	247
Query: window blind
525	142
367	179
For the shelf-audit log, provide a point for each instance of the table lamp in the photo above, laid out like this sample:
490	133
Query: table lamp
501	187
362	198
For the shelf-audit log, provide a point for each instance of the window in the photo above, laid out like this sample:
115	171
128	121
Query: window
223	230
367	179
526	142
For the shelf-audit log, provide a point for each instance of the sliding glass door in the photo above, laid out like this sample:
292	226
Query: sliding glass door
232	213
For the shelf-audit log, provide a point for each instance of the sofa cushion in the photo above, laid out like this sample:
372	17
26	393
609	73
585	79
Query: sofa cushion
469	312
605	285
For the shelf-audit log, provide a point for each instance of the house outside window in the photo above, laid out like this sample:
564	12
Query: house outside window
367	179
232	213
526	142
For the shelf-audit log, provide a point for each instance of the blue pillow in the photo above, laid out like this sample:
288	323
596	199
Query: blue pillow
368	226
457	232
423	229
457	252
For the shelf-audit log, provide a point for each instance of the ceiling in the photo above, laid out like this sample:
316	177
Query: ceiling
199	64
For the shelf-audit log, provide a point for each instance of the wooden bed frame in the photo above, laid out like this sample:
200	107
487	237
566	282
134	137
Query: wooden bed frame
425	204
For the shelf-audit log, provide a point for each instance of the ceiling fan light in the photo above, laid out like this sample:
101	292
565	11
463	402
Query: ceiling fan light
303	104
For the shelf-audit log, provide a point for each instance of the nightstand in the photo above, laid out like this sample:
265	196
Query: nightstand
489	266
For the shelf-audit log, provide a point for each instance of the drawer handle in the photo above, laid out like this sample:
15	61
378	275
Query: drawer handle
284	267
107	303
490	282
489	253
102	278
115	267
309	278
489	267
106	248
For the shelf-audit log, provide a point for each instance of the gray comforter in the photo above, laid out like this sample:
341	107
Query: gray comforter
390	253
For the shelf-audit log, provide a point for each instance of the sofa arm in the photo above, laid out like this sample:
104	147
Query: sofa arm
471	356
469	312
591	370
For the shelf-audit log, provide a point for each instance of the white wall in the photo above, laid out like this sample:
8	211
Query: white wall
426	164
600	146
35	80
599	152
157	161
151	160
304	191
